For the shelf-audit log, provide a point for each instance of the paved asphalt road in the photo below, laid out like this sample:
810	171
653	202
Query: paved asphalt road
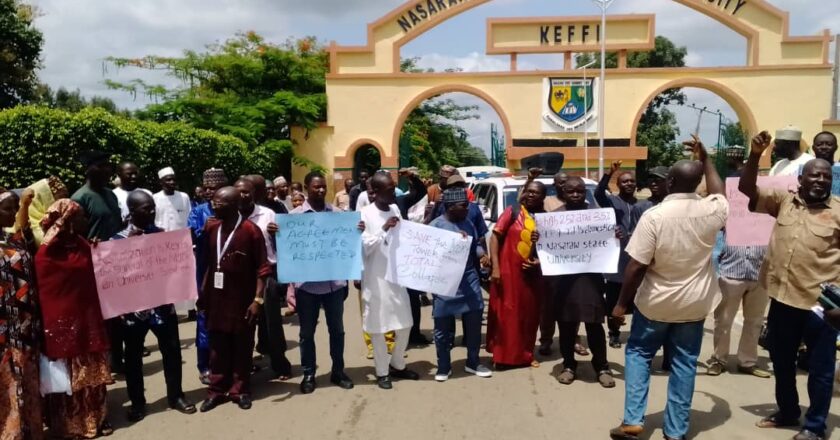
520	404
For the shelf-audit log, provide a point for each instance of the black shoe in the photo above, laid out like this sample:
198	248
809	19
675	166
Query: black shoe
615	341
136	413
146	352
419	340
183	405
405	373
342	380
210	404
384	382
245	402
545	349
118	369
192	315
425	301
307	386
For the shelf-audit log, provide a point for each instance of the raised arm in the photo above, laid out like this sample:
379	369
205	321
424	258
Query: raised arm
602	190
416	192
749	175
714	184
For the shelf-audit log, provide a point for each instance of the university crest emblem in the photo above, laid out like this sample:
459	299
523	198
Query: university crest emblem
570	100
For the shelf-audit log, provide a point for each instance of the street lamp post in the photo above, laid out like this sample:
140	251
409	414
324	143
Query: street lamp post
586	123
604	5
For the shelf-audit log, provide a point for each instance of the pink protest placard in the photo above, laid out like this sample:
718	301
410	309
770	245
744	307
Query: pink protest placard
144	272
745	228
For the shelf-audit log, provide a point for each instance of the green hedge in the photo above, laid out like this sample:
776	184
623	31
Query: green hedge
36	142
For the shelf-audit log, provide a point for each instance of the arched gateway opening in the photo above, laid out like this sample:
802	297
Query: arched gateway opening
450	105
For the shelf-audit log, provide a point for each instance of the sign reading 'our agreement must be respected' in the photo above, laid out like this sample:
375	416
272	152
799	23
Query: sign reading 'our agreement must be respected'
144	272
427	259
573	242
319	246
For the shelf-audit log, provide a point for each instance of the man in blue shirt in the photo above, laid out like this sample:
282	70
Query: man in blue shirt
468	302
213	179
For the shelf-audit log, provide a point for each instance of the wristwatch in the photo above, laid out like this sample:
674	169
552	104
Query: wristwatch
259	300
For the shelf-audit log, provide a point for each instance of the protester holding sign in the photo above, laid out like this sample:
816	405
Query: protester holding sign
671	279
468	302
517	284
66	282
162	321
387	306
232	298
312	296
579	299
804	252
738	268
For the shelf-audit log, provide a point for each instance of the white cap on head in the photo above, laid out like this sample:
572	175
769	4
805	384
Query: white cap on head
789	133
280	180
168	171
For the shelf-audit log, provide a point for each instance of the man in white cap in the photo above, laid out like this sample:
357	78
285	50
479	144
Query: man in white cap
281	190
173	207
787	148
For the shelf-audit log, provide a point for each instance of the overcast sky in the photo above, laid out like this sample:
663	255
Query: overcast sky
81	33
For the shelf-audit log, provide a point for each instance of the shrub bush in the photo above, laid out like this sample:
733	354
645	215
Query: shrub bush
36	142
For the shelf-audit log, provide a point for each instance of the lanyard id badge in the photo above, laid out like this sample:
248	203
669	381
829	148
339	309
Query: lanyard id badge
219	276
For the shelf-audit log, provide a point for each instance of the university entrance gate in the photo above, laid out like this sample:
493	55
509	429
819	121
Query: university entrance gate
785	80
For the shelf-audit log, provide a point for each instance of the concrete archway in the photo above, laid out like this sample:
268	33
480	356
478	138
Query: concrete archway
437	91
745	115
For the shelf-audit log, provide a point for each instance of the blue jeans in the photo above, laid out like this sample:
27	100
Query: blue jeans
445	335
683	341
308	308
202	343
786	328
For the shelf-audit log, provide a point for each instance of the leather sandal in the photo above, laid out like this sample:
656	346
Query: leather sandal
605	378
567	376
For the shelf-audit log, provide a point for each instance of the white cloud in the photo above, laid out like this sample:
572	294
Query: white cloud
472	62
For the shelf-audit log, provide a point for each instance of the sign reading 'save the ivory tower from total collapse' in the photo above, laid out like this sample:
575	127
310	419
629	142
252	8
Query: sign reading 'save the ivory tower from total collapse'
369	98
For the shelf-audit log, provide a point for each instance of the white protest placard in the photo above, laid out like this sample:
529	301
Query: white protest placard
573	242
427	259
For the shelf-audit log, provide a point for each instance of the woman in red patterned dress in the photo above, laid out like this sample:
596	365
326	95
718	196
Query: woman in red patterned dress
517	284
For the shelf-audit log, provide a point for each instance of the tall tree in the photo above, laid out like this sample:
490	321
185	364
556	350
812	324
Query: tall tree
436	139
20	49
63	99
245	87
734	134
658	129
